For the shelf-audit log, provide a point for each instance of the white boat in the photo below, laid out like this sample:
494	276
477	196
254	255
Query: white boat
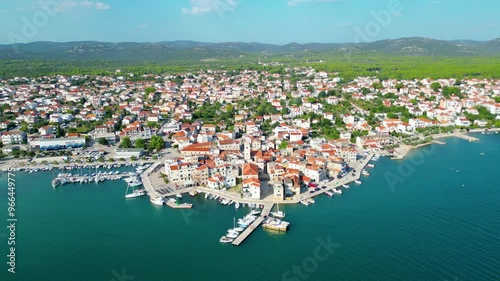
193	192
329	193
157	201
178	195
278	214
237	229
206	195
225	239
135	182
304	202
370	165
346	186
232	235
135	193
337	191
254	212
357	181
310	201
237	205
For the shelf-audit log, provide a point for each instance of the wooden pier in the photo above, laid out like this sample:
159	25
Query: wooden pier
265	212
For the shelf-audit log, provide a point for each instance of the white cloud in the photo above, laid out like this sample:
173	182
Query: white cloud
199	7
89	5
297	2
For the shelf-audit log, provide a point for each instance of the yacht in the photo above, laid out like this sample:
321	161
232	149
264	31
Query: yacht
135	193
135	182
254	212
157	201
278	214
225	239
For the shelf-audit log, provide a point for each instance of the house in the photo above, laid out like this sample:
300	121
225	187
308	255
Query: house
13	137
250	171
251	188
46	130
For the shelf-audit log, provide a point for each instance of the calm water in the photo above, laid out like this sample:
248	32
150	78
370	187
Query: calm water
434	216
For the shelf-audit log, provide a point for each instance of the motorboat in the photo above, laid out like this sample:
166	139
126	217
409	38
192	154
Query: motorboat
304	202
329	193
225	239
337	191
357	181
157	201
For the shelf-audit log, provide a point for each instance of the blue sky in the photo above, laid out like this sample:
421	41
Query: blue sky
267	21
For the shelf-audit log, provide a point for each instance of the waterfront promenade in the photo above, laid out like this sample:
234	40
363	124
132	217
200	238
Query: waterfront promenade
359	165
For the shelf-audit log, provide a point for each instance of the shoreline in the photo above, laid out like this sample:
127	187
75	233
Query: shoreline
404	150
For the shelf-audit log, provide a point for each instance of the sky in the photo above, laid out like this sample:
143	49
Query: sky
265	21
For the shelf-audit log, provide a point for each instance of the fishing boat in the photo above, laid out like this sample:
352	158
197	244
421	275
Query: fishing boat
278	214
157	201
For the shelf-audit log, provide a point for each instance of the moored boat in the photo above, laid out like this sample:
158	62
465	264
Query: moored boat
157	201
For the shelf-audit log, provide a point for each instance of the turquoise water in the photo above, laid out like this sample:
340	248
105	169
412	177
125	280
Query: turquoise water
439	221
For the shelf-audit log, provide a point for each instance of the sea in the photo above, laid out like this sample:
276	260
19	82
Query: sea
433	216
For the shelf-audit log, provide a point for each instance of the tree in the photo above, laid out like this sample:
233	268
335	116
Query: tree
126	143
140	143
11	126
283	145
102	141
435	86
156	142
59	131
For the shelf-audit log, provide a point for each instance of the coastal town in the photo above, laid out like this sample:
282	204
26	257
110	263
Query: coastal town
242	137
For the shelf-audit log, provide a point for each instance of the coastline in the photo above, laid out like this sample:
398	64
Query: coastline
404	150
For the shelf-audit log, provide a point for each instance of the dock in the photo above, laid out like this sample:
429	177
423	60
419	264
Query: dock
265	212
179	206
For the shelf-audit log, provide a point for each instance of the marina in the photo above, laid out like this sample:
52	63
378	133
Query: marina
244	235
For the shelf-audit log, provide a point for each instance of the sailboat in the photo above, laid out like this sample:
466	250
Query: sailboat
235	229
135	193
278	214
